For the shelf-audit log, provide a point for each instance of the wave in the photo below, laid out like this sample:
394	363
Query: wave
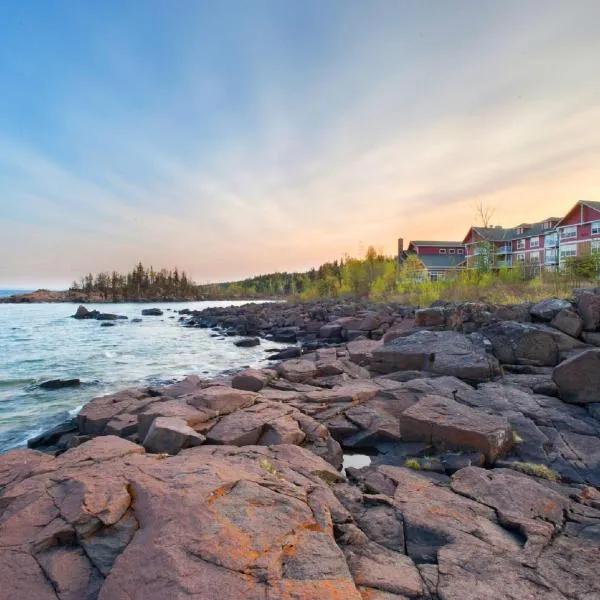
10	383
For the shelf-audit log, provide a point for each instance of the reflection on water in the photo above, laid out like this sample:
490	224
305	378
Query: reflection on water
358	461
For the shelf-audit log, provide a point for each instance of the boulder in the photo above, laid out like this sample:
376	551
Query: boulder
449	424
591	337
578	378
331	330
251	380
169	435
107	324
56	384
569	322
52	436
247	342
83	313
439	352
178	409
361	351
106	316
297	370
245	427
588	307
94	416
152	312
522	343
546	310
431	317
286	353
221	399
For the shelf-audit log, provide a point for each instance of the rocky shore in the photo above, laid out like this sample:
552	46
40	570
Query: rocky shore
482	424
80	297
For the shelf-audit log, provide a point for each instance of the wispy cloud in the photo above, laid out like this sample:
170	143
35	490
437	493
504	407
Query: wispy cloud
231	143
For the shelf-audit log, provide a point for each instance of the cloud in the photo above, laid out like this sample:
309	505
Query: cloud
242	144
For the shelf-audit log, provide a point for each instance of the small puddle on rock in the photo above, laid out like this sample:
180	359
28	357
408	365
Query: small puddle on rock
355	460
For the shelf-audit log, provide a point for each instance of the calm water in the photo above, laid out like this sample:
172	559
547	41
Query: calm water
41	341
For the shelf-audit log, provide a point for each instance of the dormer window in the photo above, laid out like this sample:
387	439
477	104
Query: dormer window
519	230
460	251
451	251
442	250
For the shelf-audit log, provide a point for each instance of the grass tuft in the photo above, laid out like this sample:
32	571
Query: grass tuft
536	470
412	463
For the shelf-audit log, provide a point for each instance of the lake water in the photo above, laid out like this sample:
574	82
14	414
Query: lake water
42	341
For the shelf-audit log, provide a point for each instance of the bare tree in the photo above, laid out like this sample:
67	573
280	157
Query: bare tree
484	212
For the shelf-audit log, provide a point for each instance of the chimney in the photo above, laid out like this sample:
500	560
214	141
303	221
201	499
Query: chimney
400	247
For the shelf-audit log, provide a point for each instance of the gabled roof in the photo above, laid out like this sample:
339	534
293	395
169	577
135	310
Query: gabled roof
590	203
441	261
435	244
506	234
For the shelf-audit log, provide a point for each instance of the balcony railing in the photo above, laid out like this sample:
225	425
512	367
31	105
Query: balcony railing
504	263
550	243
504	250
551	261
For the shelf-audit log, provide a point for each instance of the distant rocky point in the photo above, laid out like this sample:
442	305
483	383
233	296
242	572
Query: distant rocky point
77	296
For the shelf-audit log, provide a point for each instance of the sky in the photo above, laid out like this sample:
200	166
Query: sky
231	138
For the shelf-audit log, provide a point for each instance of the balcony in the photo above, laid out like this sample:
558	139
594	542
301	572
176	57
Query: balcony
551	242
504	250
504	263
551	261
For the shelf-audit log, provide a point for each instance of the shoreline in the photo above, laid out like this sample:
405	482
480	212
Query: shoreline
64	297
480	421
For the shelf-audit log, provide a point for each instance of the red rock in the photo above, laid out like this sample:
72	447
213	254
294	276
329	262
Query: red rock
297	370
95	415
578	378
172	408
169	435
221	399
449	424
251	380
360	351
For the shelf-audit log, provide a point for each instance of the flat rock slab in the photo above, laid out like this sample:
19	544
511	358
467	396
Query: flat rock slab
107	521
449	424
439	352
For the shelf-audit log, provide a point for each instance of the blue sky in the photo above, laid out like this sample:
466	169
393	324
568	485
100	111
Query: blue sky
233	138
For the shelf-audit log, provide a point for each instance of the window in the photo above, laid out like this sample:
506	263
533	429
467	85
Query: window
519	230
596	247
460	251
451	251
520	258
534	242
568	250
520	244
535	257
442	250
596	228
568	232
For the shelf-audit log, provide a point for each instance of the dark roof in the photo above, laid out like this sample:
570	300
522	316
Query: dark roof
435	243
506	234
441	261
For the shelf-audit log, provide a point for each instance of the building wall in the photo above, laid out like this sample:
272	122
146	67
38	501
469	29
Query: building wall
435	250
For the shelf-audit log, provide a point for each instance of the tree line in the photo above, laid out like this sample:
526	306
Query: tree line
140	283
374	275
